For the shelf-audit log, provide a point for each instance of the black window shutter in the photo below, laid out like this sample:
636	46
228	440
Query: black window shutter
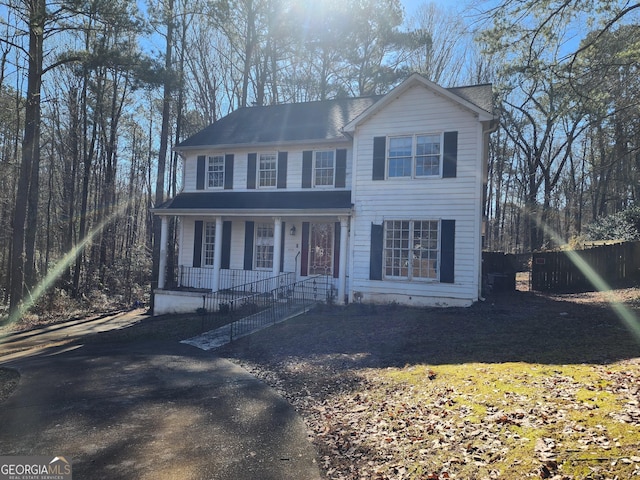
200	172
375	259
197	243
379	157
304	258
226	245
248	245
341	168
282	170
284	229
251	170
336	250
307	168
450	155
228	171
447	250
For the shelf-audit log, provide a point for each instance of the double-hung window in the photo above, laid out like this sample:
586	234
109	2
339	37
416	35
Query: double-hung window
208	243
324	172
414	156
268	170
264	245
215	171
411	249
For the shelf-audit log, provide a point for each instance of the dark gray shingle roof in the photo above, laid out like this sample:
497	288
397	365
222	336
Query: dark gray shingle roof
267	200
479	95
309	121
282	123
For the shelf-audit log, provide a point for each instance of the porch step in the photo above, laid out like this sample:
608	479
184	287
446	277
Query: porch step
221	336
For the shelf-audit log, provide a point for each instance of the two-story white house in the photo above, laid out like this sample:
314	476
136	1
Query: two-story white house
382	195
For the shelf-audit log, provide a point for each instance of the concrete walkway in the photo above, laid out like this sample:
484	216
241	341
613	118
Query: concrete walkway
151	411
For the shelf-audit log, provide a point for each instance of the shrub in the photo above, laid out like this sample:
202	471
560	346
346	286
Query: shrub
623	225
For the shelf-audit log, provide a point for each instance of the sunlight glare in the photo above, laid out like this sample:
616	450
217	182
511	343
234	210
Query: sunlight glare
628	318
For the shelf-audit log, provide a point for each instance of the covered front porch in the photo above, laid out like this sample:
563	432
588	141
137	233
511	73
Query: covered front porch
231	253
228	239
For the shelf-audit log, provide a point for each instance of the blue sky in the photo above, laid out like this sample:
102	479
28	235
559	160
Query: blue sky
410	6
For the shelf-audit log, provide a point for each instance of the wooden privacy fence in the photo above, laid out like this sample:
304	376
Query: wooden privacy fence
557	272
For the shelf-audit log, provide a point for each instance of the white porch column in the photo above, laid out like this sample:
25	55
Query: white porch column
217	255
162	261
277	247
342	259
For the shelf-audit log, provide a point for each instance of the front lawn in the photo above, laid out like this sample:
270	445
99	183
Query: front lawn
521	386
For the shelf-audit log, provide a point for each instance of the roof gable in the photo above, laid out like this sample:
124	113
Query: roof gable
464	96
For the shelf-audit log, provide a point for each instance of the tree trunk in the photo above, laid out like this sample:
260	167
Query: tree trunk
164	140
26	211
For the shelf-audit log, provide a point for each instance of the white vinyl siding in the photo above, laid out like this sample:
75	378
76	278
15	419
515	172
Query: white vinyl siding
431	197
294	167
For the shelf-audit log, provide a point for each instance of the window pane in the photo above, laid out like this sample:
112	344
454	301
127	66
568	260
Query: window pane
400	156
268	169
264	245
425	249
208	243
215	171
411	249
396	252
427	155
324	168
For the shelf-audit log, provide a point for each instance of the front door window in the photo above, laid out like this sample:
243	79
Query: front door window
321	249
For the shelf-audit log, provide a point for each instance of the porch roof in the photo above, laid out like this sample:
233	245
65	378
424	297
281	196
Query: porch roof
256	202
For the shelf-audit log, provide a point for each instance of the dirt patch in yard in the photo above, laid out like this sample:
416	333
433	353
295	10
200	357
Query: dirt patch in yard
522	385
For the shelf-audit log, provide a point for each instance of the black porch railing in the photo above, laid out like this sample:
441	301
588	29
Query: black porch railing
199	278
284	302
249	307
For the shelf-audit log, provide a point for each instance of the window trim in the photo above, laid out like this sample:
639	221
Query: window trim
208	171
410	267
315	167
275	170
414	156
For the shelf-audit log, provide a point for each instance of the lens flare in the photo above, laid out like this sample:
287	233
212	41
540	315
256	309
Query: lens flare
60	267
627	316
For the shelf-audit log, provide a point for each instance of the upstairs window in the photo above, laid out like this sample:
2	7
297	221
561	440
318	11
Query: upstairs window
427	155
215	172
414	156
324	172
268	170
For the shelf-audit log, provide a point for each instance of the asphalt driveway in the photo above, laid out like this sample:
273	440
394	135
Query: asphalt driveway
152	411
